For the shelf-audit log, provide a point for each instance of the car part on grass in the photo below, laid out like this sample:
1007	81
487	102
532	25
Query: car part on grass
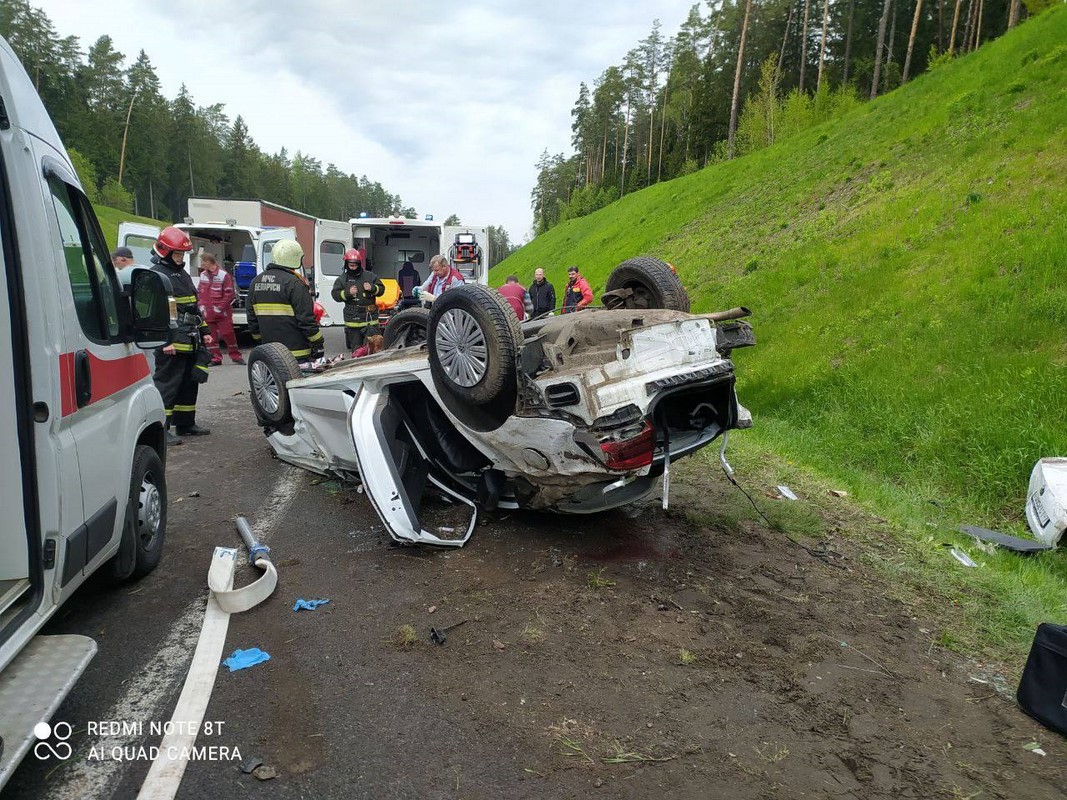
1046	507
1013	543
1042	689
640	283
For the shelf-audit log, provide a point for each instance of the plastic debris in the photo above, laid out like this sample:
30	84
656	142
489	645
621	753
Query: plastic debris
265	773
1034	747
962	557
308	605
431	609
839	493
1014	543
243	659
499	645
250	764
786	492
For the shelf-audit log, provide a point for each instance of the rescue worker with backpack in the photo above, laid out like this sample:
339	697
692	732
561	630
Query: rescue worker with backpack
358	288
180	366
279	305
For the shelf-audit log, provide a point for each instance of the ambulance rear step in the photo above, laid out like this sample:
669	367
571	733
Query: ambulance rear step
31	689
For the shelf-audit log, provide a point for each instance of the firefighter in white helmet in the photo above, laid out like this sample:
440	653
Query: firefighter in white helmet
279	305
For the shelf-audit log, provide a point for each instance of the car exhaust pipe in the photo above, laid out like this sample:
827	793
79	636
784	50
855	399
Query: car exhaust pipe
723	316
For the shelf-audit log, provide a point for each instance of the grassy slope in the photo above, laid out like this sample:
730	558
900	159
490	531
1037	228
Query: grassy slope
110	218
905	264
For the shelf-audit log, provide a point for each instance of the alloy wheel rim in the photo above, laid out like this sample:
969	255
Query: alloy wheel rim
265	387
461	347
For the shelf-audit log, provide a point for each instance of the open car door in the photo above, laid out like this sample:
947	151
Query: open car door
332	239
139	238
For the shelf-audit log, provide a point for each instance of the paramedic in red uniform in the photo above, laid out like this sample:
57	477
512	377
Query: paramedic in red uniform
175	363
442	276
577	295
215	295
515	294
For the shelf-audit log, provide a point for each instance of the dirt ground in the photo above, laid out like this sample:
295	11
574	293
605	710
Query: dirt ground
634	654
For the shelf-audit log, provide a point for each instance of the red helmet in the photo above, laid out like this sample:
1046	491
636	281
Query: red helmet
171	239
352	254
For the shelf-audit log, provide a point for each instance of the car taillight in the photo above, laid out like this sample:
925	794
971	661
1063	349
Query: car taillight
632	452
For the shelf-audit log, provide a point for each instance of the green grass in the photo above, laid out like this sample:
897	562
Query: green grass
111	218
905	267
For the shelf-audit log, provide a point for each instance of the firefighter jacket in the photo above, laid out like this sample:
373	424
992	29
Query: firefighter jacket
190	325
361	309
280	309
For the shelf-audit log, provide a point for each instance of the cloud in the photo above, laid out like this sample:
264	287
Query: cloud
449	107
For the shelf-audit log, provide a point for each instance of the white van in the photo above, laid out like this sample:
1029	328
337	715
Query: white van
390	241
82	430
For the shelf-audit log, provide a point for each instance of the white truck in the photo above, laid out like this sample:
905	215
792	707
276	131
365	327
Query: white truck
82	429
390	241
241	235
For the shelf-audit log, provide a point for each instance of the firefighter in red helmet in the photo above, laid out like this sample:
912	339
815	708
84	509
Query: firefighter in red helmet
358	288
176	368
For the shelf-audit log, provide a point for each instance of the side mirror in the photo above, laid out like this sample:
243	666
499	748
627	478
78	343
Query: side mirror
154	312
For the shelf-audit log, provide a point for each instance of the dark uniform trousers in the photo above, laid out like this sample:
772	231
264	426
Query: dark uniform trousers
174	379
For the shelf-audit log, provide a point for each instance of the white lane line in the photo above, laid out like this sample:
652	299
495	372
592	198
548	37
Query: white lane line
142	701
151	684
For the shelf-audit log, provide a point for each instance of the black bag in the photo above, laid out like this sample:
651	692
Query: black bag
203	361
1043	689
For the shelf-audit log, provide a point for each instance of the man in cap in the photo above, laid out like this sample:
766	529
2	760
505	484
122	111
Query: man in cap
122	257
279	305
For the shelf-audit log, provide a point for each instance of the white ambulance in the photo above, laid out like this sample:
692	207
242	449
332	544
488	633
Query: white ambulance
81	434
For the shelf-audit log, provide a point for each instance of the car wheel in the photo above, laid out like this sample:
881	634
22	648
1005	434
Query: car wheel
474	341
407	328
645	283
270	367
147	509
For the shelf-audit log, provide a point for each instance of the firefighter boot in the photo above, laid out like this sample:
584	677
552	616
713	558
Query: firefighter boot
172	438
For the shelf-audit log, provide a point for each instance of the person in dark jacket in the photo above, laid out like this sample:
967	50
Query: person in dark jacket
279	305
175	363
542	294
359	289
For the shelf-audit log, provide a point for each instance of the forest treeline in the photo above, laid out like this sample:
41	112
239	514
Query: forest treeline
740	74
138	151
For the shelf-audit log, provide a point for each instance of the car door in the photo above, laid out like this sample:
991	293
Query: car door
99	373
139	238
332	239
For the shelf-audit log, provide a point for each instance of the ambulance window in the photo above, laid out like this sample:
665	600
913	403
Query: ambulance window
331	258
91	280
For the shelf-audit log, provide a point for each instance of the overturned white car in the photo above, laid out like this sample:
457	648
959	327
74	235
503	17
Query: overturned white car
468	408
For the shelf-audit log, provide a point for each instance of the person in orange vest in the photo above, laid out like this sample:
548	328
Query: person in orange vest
215	294
577	295
516	296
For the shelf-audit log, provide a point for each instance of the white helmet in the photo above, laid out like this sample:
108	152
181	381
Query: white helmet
287	253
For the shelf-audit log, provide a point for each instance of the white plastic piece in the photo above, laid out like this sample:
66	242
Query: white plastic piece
1046	500
722	454
962	557
786	492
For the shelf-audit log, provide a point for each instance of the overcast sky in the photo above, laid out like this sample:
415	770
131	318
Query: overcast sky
448	105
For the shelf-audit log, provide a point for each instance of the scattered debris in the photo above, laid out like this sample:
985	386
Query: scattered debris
265	773
438	635
243	659
786	492
1034	747
838	493
499	645
193	494
1013	543
431	609
308	605
250	764
960	556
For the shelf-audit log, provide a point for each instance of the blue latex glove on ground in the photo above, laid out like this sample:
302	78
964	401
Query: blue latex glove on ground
308	605
243	659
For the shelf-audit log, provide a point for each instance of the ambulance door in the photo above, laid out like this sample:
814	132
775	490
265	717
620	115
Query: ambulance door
470	254
139	238
331	241
99	373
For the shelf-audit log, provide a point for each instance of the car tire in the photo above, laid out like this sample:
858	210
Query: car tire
407	328
147	509
652	284
474	340
270	367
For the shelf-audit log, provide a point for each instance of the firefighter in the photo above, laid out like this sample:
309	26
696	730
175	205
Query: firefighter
577	295
358	289
279	305
175	363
